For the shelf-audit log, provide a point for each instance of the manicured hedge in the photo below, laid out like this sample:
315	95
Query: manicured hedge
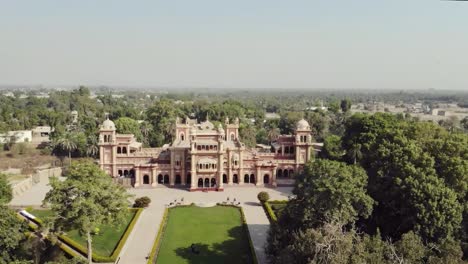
157	241
98	258
269	211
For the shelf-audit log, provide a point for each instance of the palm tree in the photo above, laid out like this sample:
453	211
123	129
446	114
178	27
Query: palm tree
273	134
355	152
145	128
92	147
67	143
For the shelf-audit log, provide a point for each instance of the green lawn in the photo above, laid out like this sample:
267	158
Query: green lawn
217	233
104	243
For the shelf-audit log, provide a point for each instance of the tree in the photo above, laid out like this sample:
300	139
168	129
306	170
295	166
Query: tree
332	148
273	134
6	194
247	134
92	148
345	105
12	233
86	200
330	191
162	115
142	202
263	197
288	121
145	129
67	143
125	125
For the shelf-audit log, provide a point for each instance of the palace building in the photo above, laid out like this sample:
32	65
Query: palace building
204	157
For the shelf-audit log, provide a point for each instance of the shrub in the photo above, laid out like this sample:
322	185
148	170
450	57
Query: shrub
142	202
263	197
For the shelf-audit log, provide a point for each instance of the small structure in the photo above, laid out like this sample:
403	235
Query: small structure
18	136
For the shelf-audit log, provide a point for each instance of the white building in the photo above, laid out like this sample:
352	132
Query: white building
16	136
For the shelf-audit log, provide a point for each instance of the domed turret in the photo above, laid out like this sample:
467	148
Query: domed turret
108	125
302	125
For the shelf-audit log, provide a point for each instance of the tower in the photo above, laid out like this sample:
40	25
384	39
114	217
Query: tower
303	142
107	147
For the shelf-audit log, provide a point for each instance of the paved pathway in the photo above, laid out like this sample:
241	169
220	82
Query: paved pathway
141	240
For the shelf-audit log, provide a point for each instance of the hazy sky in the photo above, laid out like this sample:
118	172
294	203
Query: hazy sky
243	43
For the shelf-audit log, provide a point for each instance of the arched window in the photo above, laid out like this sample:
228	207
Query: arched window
124	150
120	172
235	179
119	150
198	147
213	182
233	137
182	136
200	183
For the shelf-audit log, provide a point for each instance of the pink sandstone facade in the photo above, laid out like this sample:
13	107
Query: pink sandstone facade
203	157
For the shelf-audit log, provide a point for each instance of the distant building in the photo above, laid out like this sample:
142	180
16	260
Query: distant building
41	134
205	157
269	116
18	136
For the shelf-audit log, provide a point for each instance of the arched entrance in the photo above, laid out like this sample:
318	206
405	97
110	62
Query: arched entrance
160	179
207	183
252	178
266	178
279	173
146	179
235	178
189	178
246	178
166	179
200	183
285	173
213	182
225	178
291	172
178	180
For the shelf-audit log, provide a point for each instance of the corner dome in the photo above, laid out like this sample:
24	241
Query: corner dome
108	124
302	125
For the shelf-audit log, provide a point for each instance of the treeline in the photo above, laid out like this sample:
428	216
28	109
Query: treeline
389	190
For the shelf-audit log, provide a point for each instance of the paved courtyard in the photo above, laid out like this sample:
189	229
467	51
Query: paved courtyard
140	242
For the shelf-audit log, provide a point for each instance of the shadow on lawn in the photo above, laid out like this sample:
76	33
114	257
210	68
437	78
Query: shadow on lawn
234	250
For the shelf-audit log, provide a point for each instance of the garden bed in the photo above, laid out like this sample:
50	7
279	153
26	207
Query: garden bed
106	245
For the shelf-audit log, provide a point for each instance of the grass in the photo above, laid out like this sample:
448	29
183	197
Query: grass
217	233
104	243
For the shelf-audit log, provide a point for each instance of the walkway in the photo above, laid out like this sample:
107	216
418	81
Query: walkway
140	241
